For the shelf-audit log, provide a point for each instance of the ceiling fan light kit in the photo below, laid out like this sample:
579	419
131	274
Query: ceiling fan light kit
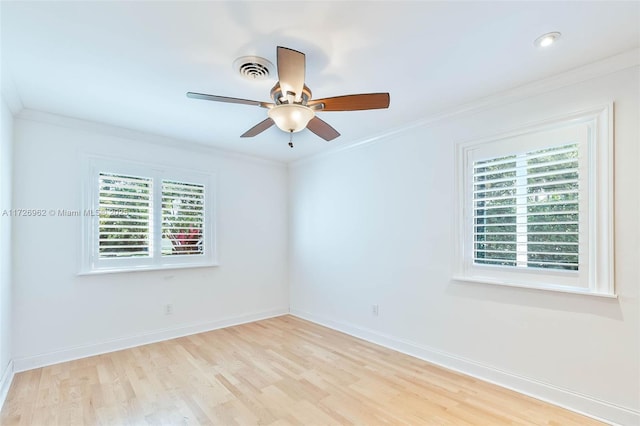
293	109
291	117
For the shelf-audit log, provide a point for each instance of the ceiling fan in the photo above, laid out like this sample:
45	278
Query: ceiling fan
293	109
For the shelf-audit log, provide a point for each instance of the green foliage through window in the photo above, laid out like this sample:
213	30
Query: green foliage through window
182	218
526	211
125	206
125	226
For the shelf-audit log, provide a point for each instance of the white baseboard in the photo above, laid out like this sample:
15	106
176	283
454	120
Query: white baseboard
5	382
565	398
98	348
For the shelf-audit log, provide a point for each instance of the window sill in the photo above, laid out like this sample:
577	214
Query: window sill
147	268
558	289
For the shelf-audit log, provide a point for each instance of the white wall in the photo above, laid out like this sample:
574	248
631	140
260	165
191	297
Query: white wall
6	144
374	225
59	315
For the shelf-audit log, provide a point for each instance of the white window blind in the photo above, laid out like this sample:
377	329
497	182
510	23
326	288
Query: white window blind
126	216
526	209
149	217
182	218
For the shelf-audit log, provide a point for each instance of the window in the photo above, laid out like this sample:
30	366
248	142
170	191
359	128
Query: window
145	217
125	224
182	218
526	209
535	206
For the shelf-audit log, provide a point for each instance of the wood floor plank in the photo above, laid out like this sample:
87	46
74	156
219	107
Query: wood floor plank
280	371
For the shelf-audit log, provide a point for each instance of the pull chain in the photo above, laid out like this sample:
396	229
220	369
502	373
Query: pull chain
291	138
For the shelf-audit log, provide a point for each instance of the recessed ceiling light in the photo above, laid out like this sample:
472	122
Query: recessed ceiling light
547	39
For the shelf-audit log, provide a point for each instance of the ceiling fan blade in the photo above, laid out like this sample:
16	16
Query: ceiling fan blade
353	102
291	70
258	128
216	98
322	129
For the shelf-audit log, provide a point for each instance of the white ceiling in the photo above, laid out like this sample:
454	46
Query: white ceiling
129	64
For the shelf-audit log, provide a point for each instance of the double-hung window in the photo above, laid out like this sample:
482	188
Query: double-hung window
536	206
139	217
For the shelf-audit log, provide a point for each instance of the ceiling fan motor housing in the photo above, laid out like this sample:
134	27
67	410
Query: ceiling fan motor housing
280	98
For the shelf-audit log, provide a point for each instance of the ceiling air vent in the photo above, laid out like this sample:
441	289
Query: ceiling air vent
253	67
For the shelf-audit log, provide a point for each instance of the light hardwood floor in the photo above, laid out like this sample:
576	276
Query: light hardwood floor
278	371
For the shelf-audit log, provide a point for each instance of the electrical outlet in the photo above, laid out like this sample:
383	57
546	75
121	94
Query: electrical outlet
168	309
374	310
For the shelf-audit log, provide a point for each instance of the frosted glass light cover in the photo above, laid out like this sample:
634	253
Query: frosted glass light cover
291	117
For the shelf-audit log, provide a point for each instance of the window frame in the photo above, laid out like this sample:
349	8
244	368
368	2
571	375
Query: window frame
91	263
596	272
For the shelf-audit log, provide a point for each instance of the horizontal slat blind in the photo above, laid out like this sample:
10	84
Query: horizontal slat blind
183	217
526	211
124	227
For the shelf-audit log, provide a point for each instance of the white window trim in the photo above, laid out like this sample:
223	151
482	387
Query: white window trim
599	279
89	260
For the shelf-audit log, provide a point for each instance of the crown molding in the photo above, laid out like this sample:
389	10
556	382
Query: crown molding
10	93
593	70
612	64
134	135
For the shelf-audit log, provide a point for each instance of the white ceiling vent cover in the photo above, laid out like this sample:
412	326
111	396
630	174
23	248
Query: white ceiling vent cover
253	67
